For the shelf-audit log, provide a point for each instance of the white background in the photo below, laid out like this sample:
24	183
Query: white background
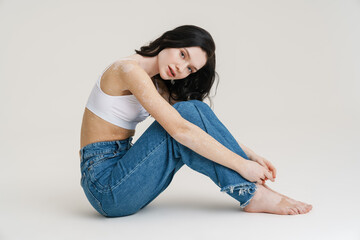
289	89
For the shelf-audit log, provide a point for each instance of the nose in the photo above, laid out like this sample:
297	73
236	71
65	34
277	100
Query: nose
181	67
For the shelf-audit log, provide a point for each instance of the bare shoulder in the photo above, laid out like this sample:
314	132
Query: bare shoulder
124	66
129	72
138	82
128	68
111	82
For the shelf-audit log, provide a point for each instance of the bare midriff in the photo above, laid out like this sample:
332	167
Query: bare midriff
95	129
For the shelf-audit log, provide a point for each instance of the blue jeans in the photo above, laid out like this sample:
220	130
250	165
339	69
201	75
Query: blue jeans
119	178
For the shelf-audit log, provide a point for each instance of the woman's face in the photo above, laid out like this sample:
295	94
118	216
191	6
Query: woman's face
181	61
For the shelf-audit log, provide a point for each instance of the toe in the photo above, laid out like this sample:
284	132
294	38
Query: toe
304	210
298	209
308	207
293	211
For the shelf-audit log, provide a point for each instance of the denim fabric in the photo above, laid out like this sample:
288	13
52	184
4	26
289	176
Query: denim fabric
119	178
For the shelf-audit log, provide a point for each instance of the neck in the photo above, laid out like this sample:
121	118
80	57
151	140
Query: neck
149	64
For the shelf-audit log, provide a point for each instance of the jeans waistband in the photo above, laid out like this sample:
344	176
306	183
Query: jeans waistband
105	146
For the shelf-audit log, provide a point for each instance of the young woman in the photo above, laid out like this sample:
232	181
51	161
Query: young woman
167	79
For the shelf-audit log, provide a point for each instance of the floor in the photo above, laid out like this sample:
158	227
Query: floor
41	198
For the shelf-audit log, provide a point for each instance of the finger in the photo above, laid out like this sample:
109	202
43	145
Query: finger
268	166
262	163
271	168
269	176
274	172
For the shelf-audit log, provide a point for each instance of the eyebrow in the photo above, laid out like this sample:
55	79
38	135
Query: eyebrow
190	57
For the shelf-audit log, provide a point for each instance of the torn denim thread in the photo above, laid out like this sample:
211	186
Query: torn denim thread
243	188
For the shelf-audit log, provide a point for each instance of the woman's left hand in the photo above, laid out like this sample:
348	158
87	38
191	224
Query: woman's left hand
265	163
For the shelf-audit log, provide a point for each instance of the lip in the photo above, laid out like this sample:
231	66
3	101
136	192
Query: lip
169	72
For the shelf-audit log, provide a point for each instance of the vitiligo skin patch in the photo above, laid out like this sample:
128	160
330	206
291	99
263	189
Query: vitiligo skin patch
125	67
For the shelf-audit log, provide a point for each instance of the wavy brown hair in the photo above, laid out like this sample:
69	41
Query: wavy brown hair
196	85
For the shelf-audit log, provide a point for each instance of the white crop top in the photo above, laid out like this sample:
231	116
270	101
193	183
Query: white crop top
123	111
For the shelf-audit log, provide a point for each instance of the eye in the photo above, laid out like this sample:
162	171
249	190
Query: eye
182	54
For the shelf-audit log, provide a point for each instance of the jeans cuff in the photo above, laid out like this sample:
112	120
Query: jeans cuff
244	189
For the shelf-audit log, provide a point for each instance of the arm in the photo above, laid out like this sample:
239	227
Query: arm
139	83
250	153
204	144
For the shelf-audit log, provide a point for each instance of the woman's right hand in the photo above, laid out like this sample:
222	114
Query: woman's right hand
254	172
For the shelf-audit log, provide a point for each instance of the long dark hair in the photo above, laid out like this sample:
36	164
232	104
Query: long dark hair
197	85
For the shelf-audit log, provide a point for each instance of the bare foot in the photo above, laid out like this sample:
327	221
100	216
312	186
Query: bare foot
304	207
269	201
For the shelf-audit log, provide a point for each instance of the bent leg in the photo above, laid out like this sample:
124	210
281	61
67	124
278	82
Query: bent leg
231	182
150	164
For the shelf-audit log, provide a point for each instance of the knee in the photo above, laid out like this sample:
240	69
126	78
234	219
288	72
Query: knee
190	105
189	109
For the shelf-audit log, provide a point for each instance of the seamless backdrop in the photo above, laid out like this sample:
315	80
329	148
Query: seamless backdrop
289	89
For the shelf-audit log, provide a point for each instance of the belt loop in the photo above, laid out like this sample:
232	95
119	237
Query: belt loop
130	142
118	145
81	154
